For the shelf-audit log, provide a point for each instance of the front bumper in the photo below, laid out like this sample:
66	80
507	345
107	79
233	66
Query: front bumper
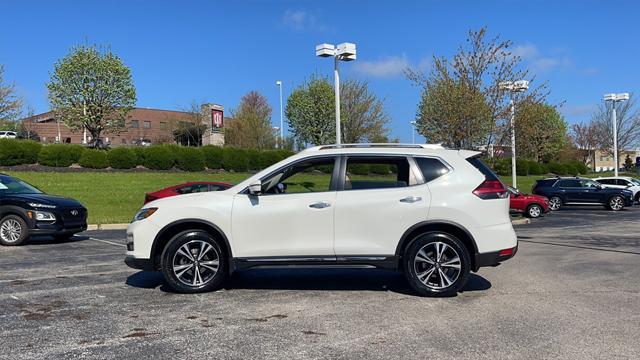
56	229
137	263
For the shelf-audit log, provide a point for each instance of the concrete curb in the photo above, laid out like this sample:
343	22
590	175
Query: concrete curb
107	226
522	221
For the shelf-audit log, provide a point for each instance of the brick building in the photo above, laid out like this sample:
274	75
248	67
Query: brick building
153	125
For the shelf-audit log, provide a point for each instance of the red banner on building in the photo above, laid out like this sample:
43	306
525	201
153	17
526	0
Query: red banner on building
217	119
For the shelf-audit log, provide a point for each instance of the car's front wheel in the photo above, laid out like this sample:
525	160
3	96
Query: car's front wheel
437	264
616	203
555	203
193	262
534	211
13	230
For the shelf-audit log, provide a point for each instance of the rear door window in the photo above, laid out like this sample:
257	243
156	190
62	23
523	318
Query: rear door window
569	183
366	173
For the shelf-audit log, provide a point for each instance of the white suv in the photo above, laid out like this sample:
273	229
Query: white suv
435	214
622	182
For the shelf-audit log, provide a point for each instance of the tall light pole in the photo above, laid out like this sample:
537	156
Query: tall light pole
615	98
279	84
413	132
343	52
513	87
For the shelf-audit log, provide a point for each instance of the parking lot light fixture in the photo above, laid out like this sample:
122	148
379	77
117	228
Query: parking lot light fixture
615	98
513	87
413	132
279	85
342	52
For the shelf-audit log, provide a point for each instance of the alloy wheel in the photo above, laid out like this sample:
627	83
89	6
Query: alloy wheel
555	203
535	211
437	265
196	263
10	230
616	203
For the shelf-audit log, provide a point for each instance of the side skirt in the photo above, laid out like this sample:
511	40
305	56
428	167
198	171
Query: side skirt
347	261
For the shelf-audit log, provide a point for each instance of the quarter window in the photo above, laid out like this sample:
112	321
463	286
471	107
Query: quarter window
431	168
365	173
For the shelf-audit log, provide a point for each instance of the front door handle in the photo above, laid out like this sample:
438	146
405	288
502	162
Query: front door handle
411	199
319	205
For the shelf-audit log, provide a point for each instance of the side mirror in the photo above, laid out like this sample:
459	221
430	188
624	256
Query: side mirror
255	188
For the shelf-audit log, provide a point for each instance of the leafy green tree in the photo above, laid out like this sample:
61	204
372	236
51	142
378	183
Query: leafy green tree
10	102
92	88
311	112
628	163
541	132
250	127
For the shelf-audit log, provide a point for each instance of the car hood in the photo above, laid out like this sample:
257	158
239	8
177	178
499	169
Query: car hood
535	197
46	199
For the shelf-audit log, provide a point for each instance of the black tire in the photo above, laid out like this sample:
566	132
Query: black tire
552	199
174	254
433	283
8	225
533	211
615	203
637	197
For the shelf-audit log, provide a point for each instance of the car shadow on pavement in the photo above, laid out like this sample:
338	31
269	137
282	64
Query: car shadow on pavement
310	279
49	240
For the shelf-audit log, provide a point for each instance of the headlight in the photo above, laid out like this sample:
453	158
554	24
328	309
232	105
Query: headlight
44	216
38	205
143	214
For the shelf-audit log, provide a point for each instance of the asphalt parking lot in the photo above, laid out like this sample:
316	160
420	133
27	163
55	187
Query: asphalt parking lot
572	291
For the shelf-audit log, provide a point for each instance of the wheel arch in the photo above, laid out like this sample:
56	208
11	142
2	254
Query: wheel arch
14	210
174	228
445	226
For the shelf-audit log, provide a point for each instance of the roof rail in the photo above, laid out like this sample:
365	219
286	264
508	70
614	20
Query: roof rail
378	145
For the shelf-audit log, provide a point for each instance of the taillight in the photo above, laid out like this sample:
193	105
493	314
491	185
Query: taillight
149	198
491	189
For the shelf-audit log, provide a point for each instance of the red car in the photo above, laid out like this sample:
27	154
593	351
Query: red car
532	206
186	188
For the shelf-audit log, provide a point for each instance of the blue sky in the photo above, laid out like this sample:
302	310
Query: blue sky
216	51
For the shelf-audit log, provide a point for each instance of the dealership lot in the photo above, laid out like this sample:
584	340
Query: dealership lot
572	291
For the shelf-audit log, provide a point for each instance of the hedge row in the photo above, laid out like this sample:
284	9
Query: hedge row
502	167
158	157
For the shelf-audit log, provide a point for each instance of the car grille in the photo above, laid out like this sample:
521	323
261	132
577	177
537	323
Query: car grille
72	217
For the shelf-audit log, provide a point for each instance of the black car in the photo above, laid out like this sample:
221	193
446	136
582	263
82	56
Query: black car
26	211
580	191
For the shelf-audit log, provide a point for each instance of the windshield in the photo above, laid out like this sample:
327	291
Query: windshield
9	185
635	181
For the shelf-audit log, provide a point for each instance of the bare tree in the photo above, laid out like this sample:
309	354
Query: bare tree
628	126
10	102
364	118
585	140
189	130
251	125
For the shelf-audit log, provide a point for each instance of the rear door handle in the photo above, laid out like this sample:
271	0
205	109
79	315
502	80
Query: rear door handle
319	205
411	199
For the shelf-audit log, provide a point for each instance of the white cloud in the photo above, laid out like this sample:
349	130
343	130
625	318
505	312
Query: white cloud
526	52
300	20
539	62
384	67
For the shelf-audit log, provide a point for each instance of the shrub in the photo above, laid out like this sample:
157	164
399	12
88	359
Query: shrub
544	169
358	169
522	167
158	157
139	151
212	156
379	169
234	159
60	155
122	158
190	159
94	159
18	152
502	166
269	157
571	169
580	166
558	169
253	159
535	168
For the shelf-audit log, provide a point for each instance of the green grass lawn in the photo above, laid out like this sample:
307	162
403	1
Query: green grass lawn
114	197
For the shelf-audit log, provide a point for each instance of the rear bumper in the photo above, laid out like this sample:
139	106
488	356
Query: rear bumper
137	263
494	258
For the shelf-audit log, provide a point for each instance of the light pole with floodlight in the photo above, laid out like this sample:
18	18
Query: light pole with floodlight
279	85
615	98
343	52
513	87
413	132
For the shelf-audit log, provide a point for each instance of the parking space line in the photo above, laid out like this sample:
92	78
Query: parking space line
579	247
107	242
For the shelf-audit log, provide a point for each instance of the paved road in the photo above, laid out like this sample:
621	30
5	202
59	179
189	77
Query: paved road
572	291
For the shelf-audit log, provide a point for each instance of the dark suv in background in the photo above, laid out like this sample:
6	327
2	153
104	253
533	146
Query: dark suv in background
25	211
581	191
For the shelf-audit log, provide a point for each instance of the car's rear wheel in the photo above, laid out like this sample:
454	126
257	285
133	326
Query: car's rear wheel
13	230
637	197
193	262
555	203
616	203
534	211
437	264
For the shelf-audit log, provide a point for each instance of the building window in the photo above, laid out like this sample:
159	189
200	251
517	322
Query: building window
135	124
163	125
124	141
147	124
